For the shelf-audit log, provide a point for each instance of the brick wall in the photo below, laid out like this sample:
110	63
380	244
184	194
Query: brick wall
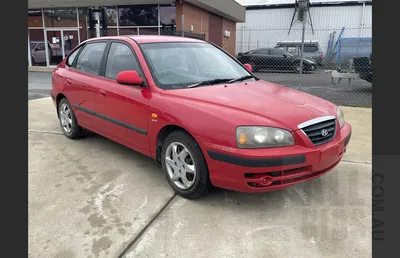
213	26
36	21
192	16
229	44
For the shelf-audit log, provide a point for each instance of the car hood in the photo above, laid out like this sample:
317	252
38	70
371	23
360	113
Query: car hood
255	103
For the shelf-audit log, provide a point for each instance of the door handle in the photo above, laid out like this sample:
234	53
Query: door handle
102	93
68	81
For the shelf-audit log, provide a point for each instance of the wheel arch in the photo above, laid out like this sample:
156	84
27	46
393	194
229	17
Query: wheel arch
59	97
163	134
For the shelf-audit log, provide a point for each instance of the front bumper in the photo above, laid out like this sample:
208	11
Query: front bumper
263	170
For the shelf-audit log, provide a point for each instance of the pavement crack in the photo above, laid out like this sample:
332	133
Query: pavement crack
44	132
147	226
357	162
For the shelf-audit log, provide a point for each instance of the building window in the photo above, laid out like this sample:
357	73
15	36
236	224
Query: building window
37	48
138	15
168	15
65	17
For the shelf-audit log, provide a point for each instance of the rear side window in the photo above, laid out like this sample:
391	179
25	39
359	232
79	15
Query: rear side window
120	58
275	52
310	48
72	56
89	60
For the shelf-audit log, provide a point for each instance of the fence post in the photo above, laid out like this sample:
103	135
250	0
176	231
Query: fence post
302	53
183	25
97	17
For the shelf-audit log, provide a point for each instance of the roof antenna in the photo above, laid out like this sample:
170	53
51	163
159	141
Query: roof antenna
302	8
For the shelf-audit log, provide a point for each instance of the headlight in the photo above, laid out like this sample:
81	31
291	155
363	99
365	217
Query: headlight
250	137
340	116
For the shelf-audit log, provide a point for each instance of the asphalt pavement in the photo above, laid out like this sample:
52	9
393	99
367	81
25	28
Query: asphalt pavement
39	85
318	83
357	94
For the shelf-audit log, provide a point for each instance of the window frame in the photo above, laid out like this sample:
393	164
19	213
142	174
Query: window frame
85	44
105	58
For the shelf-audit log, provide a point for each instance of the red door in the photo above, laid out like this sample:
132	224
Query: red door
81	82
123	107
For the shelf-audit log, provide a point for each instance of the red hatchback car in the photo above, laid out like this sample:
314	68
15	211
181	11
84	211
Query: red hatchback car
201	114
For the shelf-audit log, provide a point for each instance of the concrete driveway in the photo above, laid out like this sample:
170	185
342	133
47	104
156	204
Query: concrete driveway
95	198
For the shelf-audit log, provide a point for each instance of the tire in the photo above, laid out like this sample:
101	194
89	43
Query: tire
197	183
68	122
296	67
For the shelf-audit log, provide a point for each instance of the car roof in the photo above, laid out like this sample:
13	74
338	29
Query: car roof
142	39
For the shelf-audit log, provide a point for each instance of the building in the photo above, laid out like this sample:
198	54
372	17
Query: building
268	22
64	24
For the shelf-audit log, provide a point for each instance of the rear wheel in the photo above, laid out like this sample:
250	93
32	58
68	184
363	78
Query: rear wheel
68	122
184	165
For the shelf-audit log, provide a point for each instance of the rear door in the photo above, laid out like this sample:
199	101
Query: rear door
82	79
123	107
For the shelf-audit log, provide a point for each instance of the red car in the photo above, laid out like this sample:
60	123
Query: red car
201	114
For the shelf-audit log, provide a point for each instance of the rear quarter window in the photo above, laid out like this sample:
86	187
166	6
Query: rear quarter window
72	56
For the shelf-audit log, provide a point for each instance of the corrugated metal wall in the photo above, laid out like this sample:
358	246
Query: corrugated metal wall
265	27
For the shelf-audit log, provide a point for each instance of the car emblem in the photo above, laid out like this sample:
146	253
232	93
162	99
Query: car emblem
324	132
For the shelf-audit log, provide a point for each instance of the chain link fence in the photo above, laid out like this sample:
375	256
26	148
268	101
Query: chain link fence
337	63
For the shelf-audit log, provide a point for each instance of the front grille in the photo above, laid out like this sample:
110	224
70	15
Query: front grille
316	131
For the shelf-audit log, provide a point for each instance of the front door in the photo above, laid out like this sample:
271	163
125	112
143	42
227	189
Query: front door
124	107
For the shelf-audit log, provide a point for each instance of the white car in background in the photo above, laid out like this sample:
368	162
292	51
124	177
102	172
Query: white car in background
38	52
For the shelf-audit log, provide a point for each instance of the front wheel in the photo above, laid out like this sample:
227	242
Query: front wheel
184	165
296	68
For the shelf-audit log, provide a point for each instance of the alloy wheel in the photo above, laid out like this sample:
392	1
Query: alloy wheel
180	165
66	118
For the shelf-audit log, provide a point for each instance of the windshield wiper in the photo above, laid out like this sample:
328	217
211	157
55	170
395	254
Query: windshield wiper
241	78
210	82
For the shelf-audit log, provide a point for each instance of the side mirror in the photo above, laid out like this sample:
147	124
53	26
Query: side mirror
248	67
129	77
38	49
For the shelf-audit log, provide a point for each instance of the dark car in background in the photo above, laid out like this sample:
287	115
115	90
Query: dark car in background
312	49
363	66
275	59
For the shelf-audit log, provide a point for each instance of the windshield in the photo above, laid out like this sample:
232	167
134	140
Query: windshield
179	65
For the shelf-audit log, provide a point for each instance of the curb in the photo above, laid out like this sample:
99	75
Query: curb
40	69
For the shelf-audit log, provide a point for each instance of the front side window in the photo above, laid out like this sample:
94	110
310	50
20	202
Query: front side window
178	65
120	58
89	59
